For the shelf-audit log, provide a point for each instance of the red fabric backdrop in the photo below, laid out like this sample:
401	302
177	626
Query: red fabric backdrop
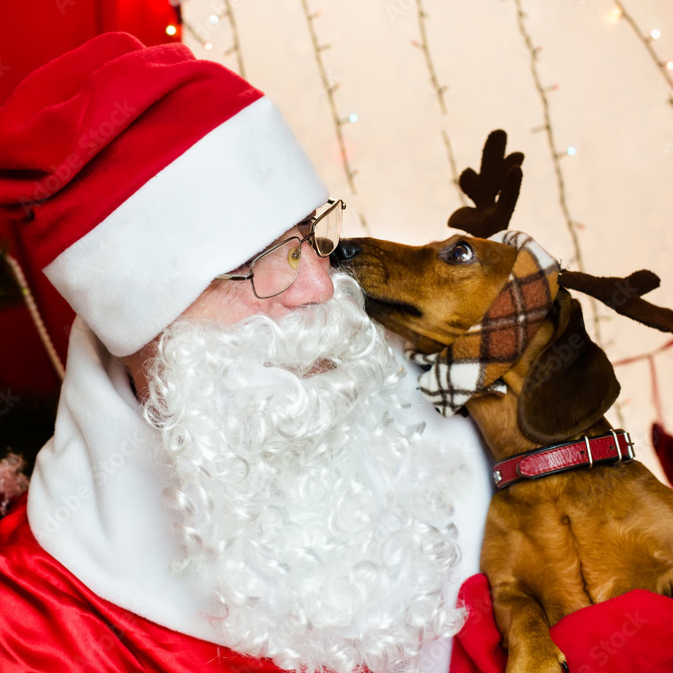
33	32
628	634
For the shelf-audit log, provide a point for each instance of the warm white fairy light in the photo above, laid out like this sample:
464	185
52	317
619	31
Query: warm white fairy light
647	40
438	90
557	155
171	30
615	15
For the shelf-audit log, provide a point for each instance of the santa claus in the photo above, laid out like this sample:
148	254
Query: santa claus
241	475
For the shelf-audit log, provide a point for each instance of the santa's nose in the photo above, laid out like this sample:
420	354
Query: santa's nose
313	284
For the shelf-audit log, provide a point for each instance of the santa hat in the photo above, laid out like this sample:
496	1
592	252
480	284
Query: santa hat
139	174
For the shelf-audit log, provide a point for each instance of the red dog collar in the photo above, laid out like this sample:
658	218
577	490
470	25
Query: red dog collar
614	447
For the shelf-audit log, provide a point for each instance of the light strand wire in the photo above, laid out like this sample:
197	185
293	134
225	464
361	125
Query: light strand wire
330	90
35	315
647	42
228	14
439	90
236	47
560	180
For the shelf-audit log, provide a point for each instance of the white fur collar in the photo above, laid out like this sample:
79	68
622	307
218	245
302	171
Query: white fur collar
94	501
95	497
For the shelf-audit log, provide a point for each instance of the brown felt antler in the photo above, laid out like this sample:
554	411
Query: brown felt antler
623	295
494	190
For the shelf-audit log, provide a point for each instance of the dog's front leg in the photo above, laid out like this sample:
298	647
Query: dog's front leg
525	628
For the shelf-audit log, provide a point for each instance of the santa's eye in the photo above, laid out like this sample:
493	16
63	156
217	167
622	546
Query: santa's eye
460	253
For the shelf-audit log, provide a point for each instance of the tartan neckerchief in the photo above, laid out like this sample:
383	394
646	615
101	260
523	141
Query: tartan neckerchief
477	359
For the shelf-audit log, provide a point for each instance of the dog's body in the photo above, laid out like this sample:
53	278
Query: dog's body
566	541
560	543
552	545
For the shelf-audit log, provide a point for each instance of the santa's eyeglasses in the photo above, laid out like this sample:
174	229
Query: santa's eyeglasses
274	270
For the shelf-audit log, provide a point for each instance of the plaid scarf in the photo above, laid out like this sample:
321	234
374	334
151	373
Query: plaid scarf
475	361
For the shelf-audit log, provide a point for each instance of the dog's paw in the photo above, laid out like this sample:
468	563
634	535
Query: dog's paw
540	658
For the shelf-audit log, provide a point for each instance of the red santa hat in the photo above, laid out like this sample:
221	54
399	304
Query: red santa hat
139	174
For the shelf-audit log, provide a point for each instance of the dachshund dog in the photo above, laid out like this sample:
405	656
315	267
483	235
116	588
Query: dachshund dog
556	539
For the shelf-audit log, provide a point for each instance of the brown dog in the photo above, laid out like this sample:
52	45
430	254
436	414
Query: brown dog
556	544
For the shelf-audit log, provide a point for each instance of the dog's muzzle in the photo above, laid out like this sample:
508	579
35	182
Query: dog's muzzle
344	253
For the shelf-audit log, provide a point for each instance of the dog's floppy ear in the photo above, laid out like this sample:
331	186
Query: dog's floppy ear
570	385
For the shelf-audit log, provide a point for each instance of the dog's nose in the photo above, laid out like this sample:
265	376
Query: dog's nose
344	252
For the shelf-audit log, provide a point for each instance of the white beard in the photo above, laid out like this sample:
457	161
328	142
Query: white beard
300	497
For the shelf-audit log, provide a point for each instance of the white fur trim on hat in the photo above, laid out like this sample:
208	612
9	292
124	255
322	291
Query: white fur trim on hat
225	199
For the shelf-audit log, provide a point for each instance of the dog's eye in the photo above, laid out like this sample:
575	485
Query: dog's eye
461	252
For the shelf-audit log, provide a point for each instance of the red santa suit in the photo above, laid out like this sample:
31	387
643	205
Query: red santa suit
51	621
87	586
134	176
108	154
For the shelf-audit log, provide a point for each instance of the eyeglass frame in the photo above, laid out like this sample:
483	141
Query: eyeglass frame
310	237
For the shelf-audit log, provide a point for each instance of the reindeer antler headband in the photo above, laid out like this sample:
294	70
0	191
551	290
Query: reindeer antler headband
495	190
474	362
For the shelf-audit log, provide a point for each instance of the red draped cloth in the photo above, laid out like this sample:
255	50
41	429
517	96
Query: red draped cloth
33	32
51	623
632	633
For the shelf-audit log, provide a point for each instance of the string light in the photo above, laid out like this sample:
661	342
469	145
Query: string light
236	40
615	15
439	91
330	89
556	158
547	127
210	25
647	40
42	331
171	30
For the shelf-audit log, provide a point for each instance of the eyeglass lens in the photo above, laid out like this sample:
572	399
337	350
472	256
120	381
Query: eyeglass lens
328	230
275	271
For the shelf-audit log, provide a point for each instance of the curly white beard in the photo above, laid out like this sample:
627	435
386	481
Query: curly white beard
301	499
